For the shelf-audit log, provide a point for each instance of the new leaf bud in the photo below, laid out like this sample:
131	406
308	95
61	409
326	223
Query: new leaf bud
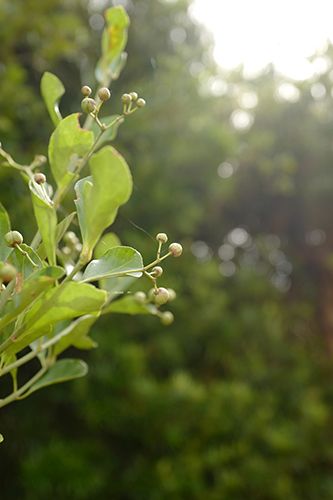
161	296
13	238
104	94
88	105
161	237
176	249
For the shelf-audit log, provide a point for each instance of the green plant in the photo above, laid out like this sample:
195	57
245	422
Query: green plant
46	307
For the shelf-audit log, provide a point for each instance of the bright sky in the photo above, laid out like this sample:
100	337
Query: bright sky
259	31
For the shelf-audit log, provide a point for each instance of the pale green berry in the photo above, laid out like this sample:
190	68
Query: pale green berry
161	296
86	91
70	238
104	94
7	273
158	271
140	103
39	178
13	238
66	250
167	318
161	238
134	96
172	294
88	105
126	98
140	298
176	249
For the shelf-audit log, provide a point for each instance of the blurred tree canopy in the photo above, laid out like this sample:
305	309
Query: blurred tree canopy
234	400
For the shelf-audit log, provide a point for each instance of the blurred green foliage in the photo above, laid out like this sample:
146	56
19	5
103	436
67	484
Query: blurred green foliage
234	400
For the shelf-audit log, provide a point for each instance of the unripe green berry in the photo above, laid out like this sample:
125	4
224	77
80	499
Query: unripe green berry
172	294
158	271
161	296
13	238
140	103
167	318
70	238
66	250
7	273
176	249
140	298
161	238
126	98
104	94
86	91
88	105
134	96
39	178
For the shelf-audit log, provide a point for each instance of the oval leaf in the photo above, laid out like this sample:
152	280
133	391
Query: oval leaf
63	370
52	89
117	261
4	228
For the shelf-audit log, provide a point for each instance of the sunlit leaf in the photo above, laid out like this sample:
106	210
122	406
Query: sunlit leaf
61	371
85	343
52	89
107	241
67	140
113	70
22	264
115	262
128	305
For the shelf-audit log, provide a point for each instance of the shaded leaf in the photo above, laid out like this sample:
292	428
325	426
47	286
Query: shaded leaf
73	333
60	230
110	134
116	261
67	140
85	343
52	89
4	228
113	70
108	240
22	264
61	371
128	305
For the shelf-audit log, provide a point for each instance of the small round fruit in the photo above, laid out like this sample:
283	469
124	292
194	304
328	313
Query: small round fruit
13	238
140	103
134	96
140	298
161	238
88	105
172	294
161	296
70	238
39	178
86	91
104	94
126	98
158	271
167	318
7	273
176	249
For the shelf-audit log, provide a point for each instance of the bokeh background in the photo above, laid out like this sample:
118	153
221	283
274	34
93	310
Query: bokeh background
234	400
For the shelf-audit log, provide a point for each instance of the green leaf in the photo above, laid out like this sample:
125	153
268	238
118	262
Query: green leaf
108	240
114	69
61	371
85	343
114	36
32	288
4	228
22	264
1	438
74	332
109	134
67	140
46	218
60	230
128	305
115	262
52	89
80	186
66	301
111	187
24	341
